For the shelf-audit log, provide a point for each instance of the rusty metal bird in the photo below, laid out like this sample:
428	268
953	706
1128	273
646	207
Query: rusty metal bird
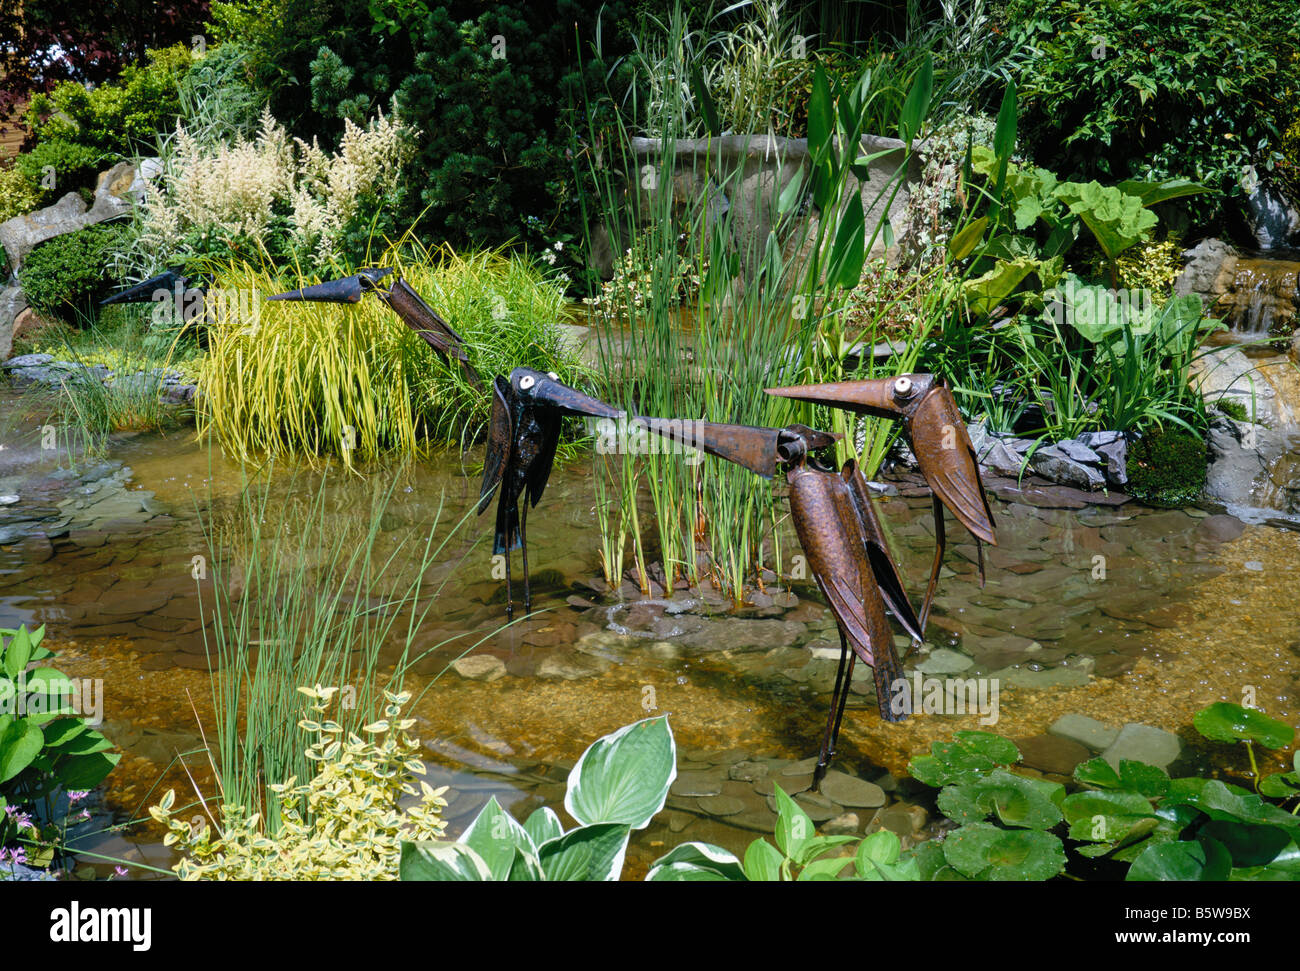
843	541
939	440
403	300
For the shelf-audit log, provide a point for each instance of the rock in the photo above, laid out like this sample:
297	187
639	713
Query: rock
28	322
1143	743
1094	735
113	193
721	805
1078	451
1204	261
845	824
1272	218
698	784
850	791
1023	676
1241	456
945	661
748	771
1053	463
1221	529
571	666
1052	753
1093	439
21	234
479	667
1002	460
1228	374
1115	455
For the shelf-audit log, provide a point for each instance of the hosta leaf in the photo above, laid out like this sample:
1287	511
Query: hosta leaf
794	828
624	777
20	743
587	853
543	825
763	861
495	835
438	860
700	856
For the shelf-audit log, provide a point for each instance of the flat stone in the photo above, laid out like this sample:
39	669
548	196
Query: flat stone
748	771
1143	743
479	667
571	667
721	805
850	791
944	661
1078	451
1094	735
845	824
1052	753
698	784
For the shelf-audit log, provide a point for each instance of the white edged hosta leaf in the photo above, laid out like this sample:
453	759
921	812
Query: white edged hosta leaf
586	853
624	776
697	856
494	836
438	860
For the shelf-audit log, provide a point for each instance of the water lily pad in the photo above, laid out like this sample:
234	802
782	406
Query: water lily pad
1226	722
970	756
985	852
1017	801
1204	859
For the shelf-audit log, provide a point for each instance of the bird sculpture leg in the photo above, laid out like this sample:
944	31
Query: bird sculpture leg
843	678
939	544
510	602
523	547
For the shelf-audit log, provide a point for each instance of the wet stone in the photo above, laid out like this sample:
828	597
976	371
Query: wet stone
944	661
818	807
479	667
1143	743
802	767
697	784
1220	529
850	791
731	756
571	666
748	771
845	824
1052	753
1094	735
721	805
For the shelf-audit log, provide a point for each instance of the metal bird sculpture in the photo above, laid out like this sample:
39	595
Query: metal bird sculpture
527	411
939	440
404	302
845	545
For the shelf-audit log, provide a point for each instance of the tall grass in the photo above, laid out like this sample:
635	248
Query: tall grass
353	380
769	313
322	599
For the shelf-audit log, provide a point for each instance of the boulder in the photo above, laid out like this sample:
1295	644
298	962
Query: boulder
1205	260
1053	463
12	303
1273	219
29	322
1241	455
1228	374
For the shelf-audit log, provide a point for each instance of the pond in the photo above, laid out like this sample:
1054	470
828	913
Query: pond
1123	613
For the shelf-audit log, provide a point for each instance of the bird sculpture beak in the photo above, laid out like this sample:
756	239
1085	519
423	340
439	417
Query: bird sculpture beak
349	289
551	391
144	291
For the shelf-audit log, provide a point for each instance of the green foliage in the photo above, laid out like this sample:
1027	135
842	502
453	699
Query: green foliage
63	275
306	371
618	785
18	193
1133	818
1166	466
46	748
72	165
346	822
1154	90
117	118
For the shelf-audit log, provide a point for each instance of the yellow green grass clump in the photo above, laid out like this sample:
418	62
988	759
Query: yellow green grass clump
286	377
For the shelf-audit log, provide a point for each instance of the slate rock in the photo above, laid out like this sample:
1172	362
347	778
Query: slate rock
1094	735
1143	743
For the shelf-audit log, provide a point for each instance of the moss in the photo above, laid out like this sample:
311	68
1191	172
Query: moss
1166	467
1233	409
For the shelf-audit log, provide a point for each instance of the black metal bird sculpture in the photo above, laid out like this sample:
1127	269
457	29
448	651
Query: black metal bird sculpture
846	548
528	409
939	440
404	301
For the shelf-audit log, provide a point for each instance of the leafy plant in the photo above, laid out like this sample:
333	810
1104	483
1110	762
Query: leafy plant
18	193
1166	467
47	749
346	821
62	275
618	785
71	164
799	854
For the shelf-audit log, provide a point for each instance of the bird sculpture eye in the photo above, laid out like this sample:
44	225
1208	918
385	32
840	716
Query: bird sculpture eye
903	387
526	382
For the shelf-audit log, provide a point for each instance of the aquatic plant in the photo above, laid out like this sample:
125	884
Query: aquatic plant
328	618
799	854
49	755
354	381
618	785
354	824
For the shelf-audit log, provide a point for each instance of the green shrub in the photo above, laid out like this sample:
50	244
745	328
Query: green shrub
117	118
1166	467
344	823
74	166
62	275
1154	89
18	193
